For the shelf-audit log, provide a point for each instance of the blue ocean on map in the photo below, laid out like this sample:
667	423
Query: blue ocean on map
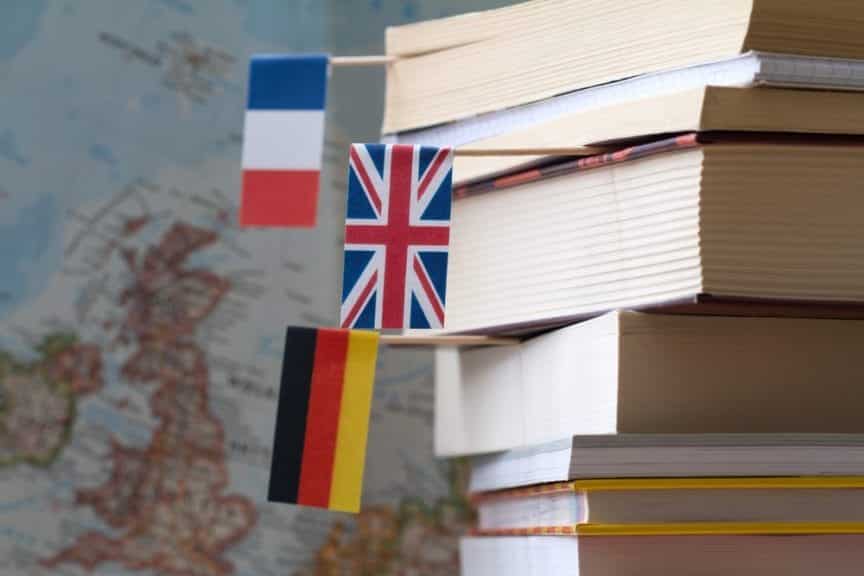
29	252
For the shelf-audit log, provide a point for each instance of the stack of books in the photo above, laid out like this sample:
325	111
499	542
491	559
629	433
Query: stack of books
686	397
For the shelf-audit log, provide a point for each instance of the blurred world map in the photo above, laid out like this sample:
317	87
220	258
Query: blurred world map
141	330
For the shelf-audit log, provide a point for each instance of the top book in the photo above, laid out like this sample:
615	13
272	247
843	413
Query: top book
454	68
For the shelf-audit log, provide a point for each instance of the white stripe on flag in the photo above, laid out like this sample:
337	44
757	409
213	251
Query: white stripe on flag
283	139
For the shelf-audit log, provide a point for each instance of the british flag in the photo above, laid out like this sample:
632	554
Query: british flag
397	231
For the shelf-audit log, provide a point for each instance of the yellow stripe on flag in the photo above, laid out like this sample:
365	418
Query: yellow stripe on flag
350	459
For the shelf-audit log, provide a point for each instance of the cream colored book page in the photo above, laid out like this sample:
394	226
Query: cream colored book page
586	44
590	242
443	33
570	381
479	400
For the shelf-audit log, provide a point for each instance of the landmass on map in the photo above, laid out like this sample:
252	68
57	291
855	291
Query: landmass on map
39	398
164	503
412	537
191	67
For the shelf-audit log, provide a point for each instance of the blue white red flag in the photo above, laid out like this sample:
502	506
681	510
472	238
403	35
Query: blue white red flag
397	233
283	139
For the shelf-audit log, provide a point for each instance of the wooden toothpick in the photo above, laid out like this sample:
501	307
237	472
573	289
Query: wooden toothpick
361	60
445	340
570	151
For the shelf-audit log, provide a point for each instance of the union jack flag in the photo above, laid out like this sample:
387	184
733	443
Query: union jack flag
397	232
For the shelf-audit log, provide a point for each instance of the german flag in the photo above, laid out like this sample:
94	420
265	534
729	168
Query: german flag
322	420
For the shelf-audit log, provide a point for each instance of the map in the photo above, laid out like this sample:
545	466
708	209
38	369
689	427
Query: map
141	330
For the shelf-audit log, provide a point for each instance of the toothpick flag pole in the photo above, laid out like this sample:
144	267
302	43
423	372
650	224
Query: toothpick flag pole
283	137
445	340
361	60
569	151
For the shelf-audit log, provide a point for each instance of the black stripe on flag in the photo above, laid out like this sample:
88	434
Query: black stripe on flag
290	433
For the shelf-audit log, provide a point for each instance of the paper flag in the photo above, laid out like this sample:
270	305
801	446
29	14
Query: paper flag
283	140
397	233
322	420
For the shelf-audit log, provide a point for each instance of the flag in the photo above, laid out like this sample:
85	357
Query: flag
283	140
319	447
397	232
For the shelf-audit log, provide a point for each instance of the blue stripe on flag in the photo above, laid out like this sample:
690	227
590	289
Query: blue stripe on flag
355	263
358	202
426	155
436	265
418	318
366	319
376	153
439	206
288	82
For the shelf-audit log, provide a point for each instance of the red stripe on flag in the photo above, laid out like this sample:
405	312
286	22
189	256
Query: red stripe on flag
427	235
367	182
322	418
286	198
427	287
399	229
430	172
361	301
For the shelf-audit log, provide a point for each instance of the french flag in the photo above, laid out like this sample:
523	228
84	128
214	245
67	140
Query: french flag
283	140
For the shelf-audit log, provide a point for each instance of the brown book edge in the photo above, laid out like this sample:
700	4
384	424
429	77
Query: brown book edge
554	167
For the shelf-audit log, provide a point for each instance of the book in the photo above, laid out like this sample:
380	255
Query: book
679	317
457	67
631	372
682	221
743	456
791	504
664	555
688	99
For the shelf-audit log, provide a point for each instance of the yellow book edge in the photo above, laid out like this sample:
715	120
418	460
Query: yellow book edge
630	484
